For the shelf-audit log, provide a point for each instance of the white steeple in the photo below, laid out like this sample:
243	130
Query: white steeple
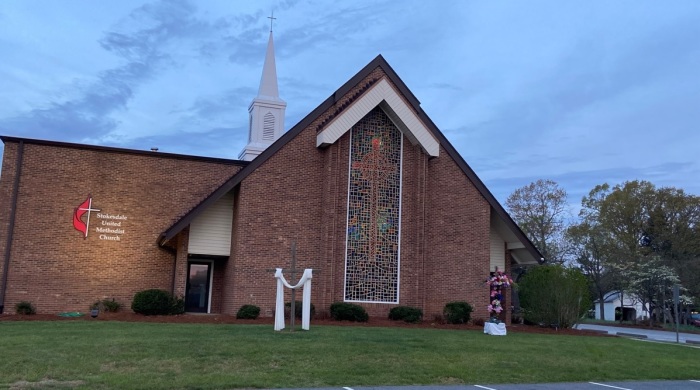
266	112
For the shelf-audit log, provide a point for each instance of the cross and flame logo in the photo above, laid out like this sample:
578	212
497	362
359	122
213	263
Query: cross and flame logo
83	209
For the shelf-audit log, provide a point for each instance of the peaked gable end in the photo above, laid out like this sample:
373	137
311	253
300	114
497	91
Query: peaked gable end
381	94
331	120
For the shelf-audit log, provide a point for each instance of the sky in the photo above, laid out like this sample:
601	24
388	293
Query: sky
582	93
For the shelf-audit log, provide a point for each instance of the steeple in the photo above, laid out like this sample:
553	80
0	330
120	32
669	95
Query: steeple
266	111
268	81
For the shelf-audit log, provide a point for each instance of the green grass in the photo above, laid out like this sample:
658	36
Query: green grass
151	356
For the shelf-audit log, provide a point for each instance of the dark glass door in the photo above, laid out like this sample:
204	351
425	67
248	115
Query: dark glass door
197	296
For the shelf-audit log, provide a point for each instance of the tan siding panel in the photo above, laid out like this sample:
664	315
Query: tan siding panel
498	251
210	233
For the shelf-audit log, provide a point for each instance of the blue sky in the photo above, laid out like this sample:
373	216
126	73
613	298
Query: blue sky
578	92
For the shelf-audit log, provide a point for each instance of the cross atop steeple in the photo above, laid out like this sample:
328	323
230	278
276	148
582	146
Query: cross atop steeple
266	112
272	18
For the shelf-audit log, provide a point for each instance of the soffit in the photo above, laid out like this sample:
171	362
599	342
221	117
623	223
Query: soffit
383	95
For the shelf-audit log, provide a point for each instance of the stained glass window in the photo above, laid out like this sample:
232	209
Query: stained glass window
374	206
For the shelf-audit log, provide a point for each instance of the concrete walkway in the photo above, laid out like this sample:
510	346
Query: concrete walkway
649	334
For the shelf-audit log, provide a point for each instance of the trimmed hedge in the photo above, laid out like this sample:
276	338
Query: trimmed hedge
157	302
341	311
297	309
406	314
458	312
248	312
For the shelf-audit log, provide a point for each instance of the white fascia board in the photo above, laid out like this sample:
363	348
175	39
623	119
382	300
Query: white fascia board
516	245
384	96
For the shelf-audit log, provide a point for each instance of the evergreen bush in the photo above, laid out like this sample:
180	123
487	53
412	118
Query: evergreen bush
25	307
157	302
341	311
177	305
248	312
458	312
297	309
553	295
406	314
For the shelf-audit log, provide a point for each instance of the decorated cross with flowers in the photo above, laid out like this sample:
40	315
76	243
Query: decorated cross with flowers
497	283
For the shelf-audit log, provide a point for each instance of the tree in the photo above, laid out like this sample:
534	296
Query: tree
541	209
639	220
554	295
590	251
673	234
651	281
621	213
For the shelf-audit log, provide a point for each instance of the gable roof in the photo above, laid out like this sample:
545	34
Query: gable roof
383	95
412	101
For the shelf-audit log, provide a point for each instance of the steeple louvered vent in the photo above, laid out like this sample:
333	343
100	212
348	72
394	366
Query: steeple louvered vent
269	127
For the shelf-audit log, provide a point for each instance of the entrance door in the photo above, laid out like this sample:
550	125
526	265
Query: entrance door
198	286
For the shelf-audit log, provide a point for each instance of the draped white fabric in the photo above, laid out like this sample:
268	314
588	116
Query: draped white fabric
495	329
305	281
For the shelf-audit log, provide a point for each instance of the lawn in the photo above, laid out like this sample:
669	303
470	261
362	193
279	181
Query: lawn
203	356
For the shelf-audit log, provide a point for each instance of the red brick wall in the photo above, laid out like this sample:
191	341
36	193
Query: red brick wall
299	194
6	187
444	237
51	264
457	239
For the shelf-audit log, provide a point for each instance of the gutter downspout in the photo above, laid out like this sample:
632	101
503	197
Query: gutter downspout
11	226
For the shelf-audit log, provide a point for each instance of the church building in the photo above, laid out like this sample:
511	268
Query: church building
365	190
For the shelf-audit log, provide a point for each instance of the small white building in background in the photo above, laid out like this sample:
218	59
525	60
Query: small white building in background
633	309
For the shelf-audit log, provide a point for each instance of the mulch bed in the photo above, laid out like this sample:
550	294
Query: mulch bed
229	319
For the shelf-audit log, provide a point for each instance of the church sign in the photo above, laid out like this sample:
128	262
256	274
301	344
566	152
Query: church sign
109	228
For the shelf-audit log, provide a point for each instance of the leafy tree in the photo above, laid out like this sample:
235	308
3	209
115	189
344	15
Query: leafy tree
639	220
554	294
651	281
673	234
621	213
541	209
590	251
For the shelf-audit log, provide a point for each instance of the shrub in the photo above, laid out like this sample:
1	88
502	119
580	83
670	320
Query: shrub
177	305
157	302
107	305
554	295
25	307
406	313
110	305
458	312
297	309
341	311
248	312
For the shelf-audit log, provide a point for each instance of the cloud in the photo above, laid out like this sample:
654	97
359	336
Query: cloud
222	142
144	40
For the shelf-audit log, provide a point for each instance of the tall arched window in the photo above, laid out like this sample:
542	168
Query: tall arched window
374	211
